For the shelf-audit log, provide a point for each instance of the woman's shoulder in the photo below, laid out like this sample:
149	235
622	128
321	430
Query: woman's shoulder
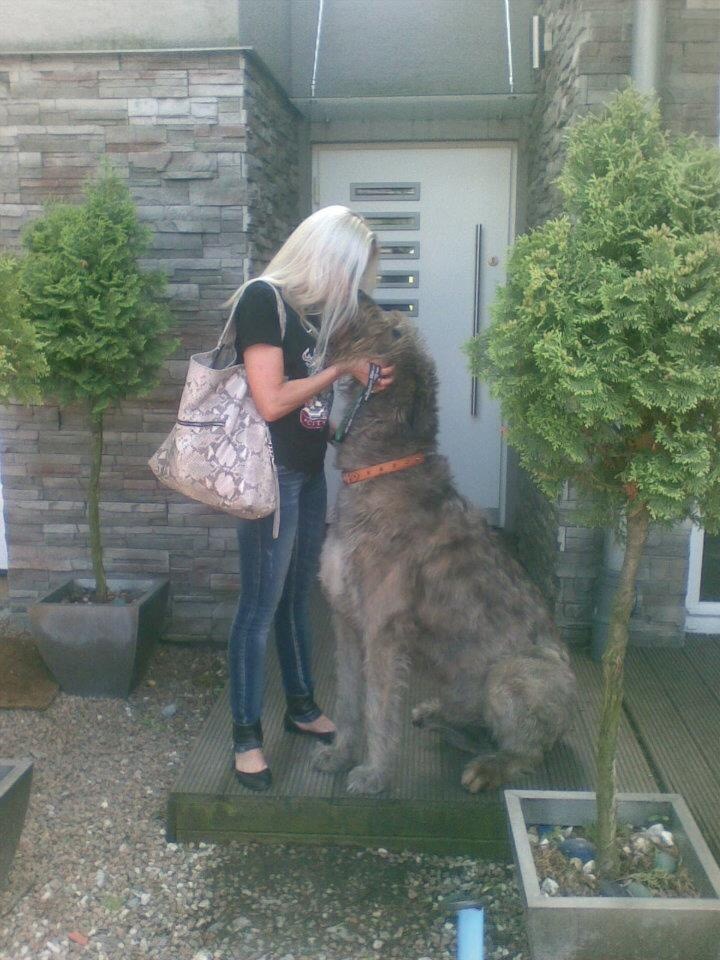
259	292
256	316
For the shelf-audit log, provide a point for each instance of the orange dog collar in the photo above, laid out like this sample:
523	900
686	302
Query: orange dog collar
380	469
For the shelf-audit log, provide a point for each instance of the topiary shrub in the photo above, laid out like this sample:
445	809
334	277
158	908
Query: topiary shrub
605	353
99	318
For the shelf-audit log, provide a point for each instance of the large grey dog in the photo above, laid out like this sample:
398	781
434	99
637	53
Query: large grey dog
417	579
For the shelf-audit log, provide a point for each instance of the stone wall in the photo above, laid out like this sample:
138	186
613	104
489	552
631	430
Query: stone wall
692	67
659	615
536	532
208	145
590	59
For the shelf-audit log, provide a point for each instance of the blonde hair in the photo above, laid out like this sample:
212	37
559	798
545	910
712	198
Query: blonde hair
321	267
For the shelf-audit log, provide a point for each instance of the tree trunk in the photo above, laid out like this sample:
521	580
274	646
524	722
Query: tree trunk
96	551
613	662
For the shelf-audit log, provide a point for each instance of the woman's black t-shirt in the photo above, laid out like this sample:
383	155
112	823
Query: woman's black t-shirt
299	438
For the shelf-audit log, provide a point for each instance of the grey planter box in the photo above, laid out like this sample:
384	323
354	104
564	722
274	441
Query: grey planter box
98	649
616	928
15	780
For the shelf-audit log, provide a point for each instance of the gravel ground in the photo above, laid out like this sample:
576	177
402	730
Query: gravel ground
93	874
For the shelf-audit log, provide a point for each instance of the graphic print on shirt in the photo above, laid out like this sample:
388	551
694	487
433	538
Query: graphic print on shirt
315	414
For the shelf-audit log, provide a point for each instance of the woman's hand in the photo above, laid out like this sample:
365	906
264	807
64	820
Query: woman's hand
360	370
275	396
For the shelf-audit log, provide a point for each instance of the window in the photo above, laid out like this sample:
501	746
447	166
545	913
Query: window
703	591
710	570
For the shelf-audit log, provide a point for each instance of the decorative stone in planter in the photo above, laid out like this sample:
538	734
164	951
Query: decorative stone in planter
616	928
99	649
15	780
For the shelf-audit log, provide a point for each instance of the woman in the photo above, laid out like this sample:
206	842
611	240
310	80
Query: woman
318	272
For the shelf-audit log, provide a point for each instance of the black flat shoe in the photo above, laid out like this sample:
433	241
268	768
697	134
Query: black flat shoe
292	727
262	780
248	735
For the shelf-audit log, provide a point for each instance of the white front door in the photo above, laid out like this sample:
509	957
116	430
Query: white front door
443	214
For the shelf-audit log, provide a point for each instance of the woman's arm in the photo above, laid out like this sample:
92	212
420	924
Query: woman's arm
275	396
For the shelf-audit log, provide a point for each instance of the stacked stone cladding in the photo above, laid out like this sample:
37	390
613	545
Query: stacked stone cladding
589	61
691	84
208	146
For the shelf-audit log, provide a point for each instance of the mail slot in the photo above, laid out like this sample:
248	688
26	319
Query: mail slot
399	250
409	307
384	191
392	221
399	278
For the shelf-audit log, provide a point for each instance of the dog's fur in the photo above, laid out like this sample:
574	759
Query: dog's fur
416	577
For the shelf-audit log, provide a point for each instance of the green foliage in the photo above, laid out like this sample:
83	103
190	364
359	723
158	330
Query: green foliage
97	315
22	365
605	345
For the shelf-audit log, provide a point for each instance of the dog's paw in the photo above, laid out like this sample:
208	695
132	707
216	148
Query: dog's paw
427	710
366	779
483	773
331	760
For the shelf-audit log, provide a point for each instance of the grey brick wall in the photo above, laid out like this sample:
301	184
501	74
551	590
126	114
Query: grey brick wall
692	67
536	529
208	145
578	565
659	615
589	61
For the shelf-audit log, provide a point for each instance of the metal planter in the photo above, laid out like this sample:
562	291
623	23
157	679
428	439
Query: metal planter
99	649
15	781
616	928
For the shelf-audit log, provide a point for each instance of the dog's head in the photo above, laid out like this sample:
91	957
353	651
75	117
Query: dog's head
409	404
372	332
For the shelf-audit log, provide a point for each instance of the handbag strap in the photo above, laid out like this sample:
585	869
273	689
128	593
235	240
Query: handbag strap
229	327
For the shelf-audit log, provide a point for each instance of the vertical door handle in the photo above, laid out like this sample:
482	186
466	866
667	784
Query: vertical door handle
474	385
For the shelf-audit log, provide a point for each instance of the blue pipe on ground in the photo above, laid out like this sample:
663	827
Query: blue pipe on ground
470	930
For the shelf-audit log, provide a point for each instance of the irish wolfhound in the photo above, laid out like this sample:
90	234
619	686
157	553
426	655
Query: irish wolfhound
417	579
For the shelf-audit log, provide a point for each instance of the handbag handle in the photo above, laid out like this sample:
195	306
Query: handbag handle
229	326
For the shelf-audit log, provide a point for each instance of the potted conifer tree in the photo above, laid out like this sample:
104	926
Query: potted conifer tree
605	354
103	329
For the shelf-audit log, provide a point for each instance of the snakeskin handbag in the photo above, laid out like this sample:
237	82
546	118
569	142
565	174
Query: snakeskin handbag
219	451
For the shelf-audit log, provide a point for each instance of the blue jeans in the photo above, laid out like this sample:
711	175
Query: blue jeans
276	577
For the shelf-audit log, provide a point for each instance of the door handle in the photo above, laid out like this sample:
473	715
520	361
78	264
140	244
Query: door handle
474	385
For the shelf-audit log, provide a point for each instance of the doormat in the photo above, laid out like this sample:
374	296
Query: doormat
25	681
